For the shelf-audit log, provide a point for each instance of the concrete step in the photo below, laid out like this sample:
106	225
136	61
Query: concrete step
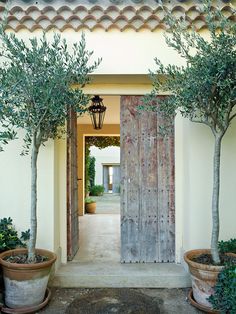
116	275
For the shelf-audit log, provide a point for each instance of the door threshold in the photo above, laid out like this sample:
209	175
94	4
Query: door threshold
109	274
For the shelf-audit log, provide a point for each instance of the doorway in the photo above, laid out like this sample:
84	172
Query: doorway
147	225
111	178
99	233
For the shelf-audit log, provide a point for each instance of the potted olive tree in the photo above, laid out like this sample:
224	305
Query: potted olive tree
204	90
37	96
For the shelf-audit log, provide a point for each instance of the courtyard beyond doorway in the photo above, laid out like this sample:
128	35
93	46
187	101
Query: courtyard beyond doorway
99	239
108	203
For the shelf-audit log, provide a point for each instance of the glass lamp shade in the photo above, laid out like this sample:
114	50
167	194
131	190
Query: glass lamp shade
97	112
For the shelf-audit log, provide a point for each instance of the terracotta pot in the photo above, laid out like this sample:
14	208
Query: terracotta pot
203	276
90	208
25	284
1	280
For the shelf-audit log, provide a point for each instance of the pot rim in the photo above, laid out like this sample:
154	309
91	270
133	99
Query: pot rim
197	252
52	258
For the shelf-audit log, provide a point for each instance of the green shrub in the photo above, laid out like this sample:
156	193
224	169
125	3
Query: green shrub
89	200
87	182
224	298
97	190
9	237
91	171
227	246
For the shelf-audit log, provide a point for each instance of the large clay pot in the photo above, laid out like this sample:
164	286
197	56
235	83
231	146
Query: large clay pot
25	284
203	276
1	280
90	208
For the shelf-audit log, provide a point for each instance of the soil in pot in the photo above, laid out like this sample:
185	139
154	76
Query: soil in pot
207	259
23	259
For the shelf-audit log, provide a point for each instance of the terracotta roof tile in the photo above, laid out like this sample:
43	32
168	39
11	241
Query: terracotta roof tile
47	14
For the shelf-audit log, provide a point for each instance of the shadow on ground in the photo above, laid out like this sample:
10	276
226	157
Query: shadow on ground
106	301
120	301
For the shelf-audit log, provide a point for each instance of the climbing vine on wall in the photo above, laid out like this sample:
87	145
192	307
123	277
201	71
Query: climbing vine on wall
87	162
92	171
102	141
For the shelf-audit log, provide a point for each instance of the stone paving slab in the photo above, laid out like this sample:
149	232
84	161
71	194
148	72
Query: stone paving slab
107	204
117	275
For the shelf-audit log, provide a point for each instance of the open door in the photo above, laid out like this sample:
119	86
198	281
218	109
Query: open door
72	188
147	185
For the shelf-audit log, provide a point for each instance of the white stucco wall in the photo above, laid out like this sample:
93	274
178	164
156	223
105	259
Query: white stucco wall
108	155
197	185
194	146
125	53
15	190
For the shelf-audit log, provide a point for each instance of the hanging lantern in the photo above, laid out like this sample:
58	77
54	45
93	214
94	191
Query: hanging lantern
97	112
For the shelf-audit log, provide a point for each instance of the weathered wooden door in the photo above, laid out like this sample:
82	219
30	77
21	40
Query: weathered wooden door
72	188
147	185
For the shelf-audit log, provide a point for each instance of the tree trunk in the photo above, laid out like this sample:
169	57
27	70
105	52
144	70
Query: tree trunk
33	221
215	200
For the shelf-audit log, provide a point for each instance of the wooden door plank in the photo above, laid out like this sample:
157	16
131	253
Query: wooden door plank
130	185
72	187
147	185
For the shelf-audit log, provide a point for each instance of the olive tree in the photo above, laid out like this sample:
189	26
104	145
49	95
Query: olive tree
7	132
37	94
204	89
